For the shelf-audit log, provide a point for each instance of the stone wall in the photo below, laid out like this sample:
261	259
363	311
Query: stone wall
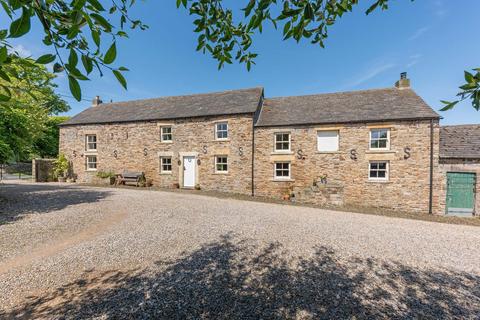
42	170
407	188
137	147
457	165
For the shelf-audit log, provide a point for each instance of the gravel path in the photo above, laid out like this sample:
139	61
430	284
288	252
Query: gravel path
84	252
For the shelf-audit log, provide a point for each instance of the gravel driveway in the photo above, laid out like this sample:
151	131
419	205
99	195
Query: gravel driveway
81	252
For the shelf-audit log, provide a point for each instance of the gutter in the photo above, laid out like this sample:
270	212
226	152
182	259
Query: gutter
430	199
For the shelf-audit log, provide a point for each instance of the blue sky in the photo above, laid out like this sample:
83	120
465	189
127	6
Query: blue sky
433	40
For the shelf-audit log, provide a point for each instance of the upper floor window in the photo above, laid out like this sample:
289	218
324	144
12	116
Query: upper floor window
221	164
166	134
221	131
91	142
282	141
327	141
380	139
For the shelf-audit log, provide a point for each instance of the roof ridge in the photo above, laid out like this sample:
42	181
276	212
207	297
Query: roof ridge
338	93
462	125
181	96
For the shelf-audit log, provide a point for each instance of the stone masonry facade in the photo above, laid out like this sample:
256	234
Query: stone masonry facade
137	146
341	178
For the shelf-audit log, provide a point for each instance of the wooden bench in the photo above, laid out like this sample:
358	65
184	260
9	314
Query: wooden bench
130	177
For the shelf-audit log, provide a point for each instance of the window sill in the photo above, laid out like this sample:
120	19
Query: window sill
282	180
91	152
328	152
91	170
378	181
167	142
380	151
222	173
165	173
221	140
281	152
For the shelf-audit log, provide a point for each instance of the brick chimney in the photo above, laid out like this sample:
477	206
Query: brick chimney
96	101
404	82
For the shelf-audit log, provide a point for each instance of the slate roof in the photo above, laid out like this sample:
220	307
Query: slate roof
345	107
462	141
197	105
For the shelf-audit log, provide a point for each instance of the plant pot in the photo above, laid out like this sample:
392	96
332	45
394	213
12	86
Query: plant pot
70	180
112	180
176	185
62	179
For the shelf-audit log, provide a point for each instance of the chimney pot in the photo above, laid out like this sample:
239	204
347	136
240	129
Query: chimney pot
96	101
404	82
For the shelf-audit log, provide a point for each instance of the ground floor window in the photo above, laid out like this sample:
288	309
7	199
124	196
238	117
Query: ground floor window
221	164
378	171
91	162
165	164
282	170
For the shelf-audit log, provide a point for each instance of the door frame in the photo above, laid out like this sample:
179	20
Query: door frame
474	190
182	155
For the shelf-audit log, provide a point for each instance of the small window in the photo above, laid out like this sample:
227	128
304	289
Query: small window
379	139
221	131
221	164
91	163
378	171
327	141
282	170
282	141
91	142
166	134
165	164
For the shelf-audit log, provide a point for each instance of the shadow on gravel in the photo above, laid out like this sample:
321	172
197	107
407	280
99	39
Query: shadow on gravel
17	200
236	280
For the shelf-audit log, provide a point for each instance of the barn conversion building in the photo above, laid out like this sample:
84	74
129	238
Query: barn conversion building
373	148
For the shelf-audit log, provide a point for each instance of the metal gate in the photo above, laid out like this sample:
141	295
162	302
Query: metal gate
460	193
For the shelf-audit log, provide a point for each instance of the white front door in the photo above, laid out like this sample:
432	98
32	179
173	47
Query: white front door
189	171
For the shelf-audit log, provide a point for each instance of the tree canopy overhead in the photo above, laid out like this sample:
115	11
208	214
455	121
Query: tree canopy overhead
82	34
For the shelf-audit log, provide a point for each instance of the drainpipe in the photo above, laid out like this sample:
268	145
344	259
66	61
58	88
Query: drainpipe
430	200
253	158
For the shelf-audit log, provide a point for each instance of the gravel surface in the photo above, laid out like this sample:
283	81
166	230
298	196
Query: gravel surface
68	251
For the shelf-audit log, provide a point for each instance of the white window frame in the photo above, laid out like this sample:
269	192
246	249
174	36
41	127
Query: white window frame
162	164
275	142
387	170
388	139
217	131
87	162
221	163
87	142
162	134
338	141
275	177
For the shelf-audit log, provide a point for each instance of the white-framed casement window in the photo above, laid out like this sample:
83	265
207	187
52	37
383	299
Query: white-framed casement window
165	164
327	141
282	142
281	170
221	164
91	163
221	131
380	139
378	170
166	134
91	142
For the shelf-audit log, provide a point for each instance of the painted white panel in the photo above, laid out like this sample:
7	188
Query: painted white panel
189	171
327	140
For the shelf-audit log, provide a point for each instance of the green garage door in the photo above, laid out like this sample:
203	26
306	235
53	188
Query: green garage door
460	193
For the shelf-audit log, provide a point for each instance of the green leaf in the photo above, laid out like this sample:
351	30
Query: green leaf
57	68
87	64
3	54
448	105
120	78
20	26
75	88
46	58
97	5
111	54
101	21
96	37
73	58
4	75
469	77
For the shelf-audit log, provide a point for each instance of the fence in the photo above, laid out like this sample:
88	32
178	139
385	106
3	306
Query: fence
16	171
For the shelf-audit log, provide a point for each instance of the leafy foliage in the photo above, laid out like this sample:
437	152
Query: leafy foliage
77	29
60	166
469	90
24	116
46	146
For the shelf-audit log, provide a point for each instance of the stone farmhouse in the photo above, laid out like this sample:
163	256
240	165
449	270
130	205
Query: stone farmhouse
369	149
